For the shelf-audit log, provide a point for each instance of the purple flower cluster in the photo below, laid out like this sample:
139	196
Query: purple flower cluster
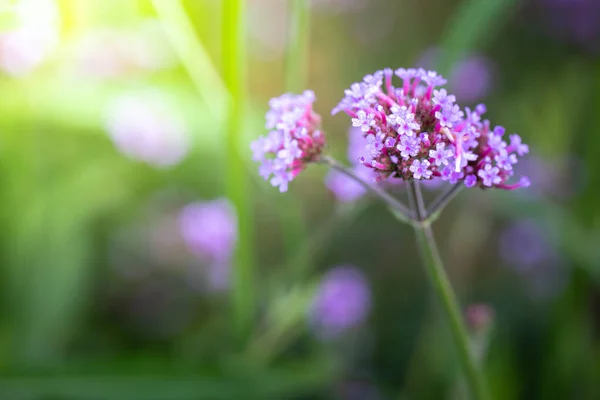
343	301
294	140
416	131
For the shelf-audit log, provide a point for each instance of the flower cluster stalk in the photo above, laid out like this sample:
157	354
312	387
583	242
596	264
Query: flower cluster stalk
401	211
420	218
443	289
243	294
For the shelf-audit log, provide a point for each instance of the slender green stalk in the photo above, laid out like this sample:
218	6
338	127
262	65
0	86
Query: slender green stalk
193	55
234	62
402	212
420	203
442	200
296	61
296	64
443	288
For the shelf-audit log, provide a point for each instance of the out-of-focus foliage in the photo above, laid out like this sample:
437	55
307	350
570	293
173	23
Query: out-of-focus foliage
112	121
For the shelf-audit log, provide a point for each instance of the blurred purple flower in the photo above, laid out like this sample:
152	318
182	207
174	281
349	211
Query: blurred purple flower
577	21
346	189
524	245
555	179
343	301
145	127
37	34
209	231
356	146
470	80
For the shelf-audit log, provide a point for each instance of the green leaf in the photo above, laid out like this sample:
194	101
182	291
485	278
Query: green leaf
286	380
473	22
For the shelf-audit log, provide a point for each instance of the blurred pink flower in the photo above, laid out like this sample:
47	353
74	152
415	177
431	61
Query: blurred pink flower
144	126
37	34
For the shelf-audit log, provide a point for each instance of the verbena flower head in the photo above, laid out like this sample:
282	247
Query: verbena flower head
294	140
417	131
343	301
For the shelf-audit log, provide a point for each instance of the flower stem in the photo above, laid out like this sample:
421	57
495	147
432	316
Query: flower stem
442	201
296	60
443	288
193	55
420	203
297	46
402	212
237	183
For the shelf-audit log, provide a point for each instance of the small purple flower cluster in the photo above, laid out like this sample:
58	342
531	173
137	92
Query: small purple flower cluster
294	140
418	132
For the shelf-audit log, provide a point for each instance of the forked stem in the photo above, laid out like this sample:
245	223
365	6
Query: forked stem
402	212
442	201
441	285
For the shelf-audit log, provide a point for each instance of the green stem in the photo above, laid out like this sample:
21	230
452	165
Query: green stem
442	201
234	62
193	55
402	212
441	285
297	47
443	288
296	61
420	203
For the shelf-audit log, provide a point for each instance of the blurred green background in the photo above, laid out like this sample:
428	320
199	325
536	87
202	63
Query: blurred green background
114	117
